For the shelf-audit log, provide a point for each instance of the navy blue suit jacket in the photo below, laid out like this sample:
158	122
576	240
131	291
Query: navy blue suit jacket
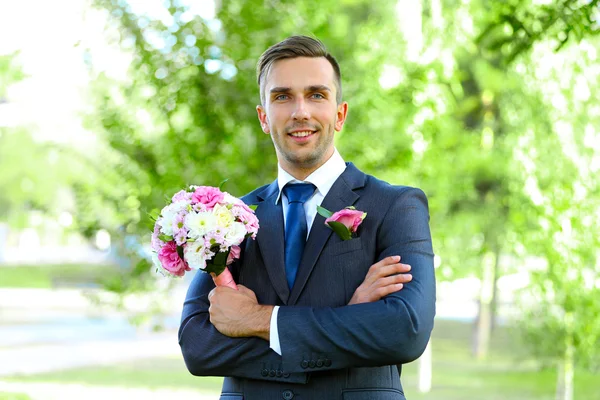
330	350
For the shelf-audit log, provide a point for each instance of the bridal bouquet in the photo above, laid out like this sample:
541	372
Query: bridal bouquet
202	228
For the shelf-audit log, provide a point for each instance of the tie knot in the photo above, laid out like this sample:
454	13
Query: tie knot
298	193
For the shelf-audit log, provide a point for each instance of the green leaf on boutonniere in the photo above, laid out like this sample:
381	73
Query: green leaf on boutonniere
253	207
165	238
324	212
341	230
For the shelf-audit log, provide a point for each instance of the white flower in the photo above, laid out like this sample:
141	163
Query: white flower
194	255
224	216
229	199
199	224
168	214
235	234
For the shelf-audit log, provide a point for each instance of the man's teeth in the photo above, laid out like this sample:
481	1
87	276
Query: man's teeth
302	134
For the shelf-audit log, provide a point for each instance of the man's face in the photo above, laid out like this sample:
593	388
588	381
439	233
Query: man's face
300	113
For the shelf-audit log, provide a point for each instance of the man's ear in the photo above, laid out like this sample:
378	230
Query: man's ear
342	113
262	117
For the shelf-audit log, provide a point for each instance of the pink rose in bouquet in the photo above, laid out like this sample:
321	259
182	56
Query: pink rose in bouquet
202	228
207	195
171	261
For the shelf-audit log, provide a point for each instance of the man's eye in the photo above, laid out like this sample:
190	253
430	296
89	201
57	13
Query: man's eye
281	97
318	96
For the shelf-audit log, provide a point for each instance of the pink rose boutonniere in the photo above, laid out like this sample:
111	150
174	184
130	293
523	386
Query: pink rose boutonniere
344	222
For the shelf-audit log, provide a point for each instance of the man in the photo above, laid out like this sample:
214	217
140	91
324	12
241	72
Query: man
322	318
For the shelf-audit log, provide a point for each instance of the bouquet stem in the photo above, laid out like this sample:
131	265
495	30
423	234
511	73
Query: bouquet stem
224	279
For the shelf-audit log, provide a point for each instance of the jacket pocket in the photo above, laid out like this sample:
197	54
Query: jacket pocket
231	396
372	394
345	246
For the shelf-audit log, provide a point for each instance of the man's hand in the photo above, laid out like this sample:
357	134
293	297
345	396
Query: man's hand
236	313
385	277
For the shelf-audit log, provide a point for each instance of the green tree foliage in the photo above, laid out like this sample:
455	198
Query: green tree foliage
515	26
560	158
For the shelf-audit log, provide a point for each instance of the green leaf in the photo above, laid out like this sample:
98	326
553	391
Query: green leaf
253	207
324	212
222	183
340	229
165	238
154	214
220	258
180	251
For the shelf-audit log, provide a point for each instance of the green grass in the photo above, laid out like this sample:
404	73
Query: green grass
149	373
13	396
505	375
52	276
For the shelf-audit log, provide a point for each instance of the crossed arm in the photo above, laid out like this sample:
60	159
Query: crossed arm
226	333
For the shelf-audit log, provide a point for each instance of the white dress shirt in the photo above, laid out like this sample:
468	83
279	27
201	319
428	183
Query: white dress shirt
323	178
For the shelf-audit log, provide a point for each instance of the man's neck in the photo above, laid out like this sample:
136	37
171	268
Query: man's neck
300	173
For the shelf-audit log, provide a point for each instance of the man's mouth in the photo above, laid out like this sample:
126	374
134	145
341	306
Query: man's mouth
301	134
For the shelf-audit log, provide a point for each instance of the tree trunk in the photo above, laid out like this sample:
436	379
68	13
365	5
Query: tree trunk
566	371
424	367
494	303
483	323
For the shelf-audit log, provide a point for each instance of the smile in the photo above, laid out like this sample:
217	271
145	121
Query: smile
302	134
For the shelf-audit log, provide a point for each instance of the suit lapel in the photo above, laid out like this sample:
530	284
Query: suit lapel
270	239
340	195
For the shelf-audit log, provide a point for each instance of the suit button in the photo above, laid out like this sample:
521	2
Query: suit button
320	363
304	364
288	394
279	373
327	362
264	372
311	363
286	374
272	373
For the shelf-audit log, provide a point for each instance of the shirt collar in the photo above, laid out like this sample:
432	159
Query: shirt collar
323	178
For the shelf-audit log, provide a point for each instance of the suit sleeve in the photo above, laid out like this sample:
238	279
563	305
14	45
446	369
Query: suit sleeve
207	352
393	330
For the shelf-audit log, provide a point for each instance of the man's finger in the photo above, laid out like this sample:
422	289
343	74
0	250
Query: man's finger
375	269
394	269
386	261
389	289
394	279
211	293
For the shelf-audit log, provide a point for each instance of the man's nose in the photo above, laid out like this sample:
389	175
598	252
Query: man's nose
300	110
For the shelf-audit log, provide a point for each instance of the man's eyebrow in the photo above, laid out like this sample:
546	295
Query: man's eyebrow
311	88
280	89
317	88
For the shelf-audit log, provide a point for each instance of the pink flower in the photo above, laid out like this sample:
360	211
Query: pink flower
170	260
234	254
207	195
182	195
156	243
248	218
351	219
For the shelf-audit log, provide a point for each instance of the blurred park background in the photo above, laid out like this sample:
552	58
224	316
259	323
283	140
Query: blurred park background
108	106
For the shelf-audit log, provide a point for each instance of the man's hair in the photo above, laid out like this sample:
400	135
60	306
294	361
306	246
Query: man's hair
293	47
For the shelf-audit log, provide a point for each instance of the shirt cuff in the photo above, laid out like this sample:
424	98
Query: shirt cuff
274	334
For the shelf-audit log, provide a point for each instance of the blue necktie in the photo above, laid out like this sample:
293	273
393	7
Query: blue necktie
295	227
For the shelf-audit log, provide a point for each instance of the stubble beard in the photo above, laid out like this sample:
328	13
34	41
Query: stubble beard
310	160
